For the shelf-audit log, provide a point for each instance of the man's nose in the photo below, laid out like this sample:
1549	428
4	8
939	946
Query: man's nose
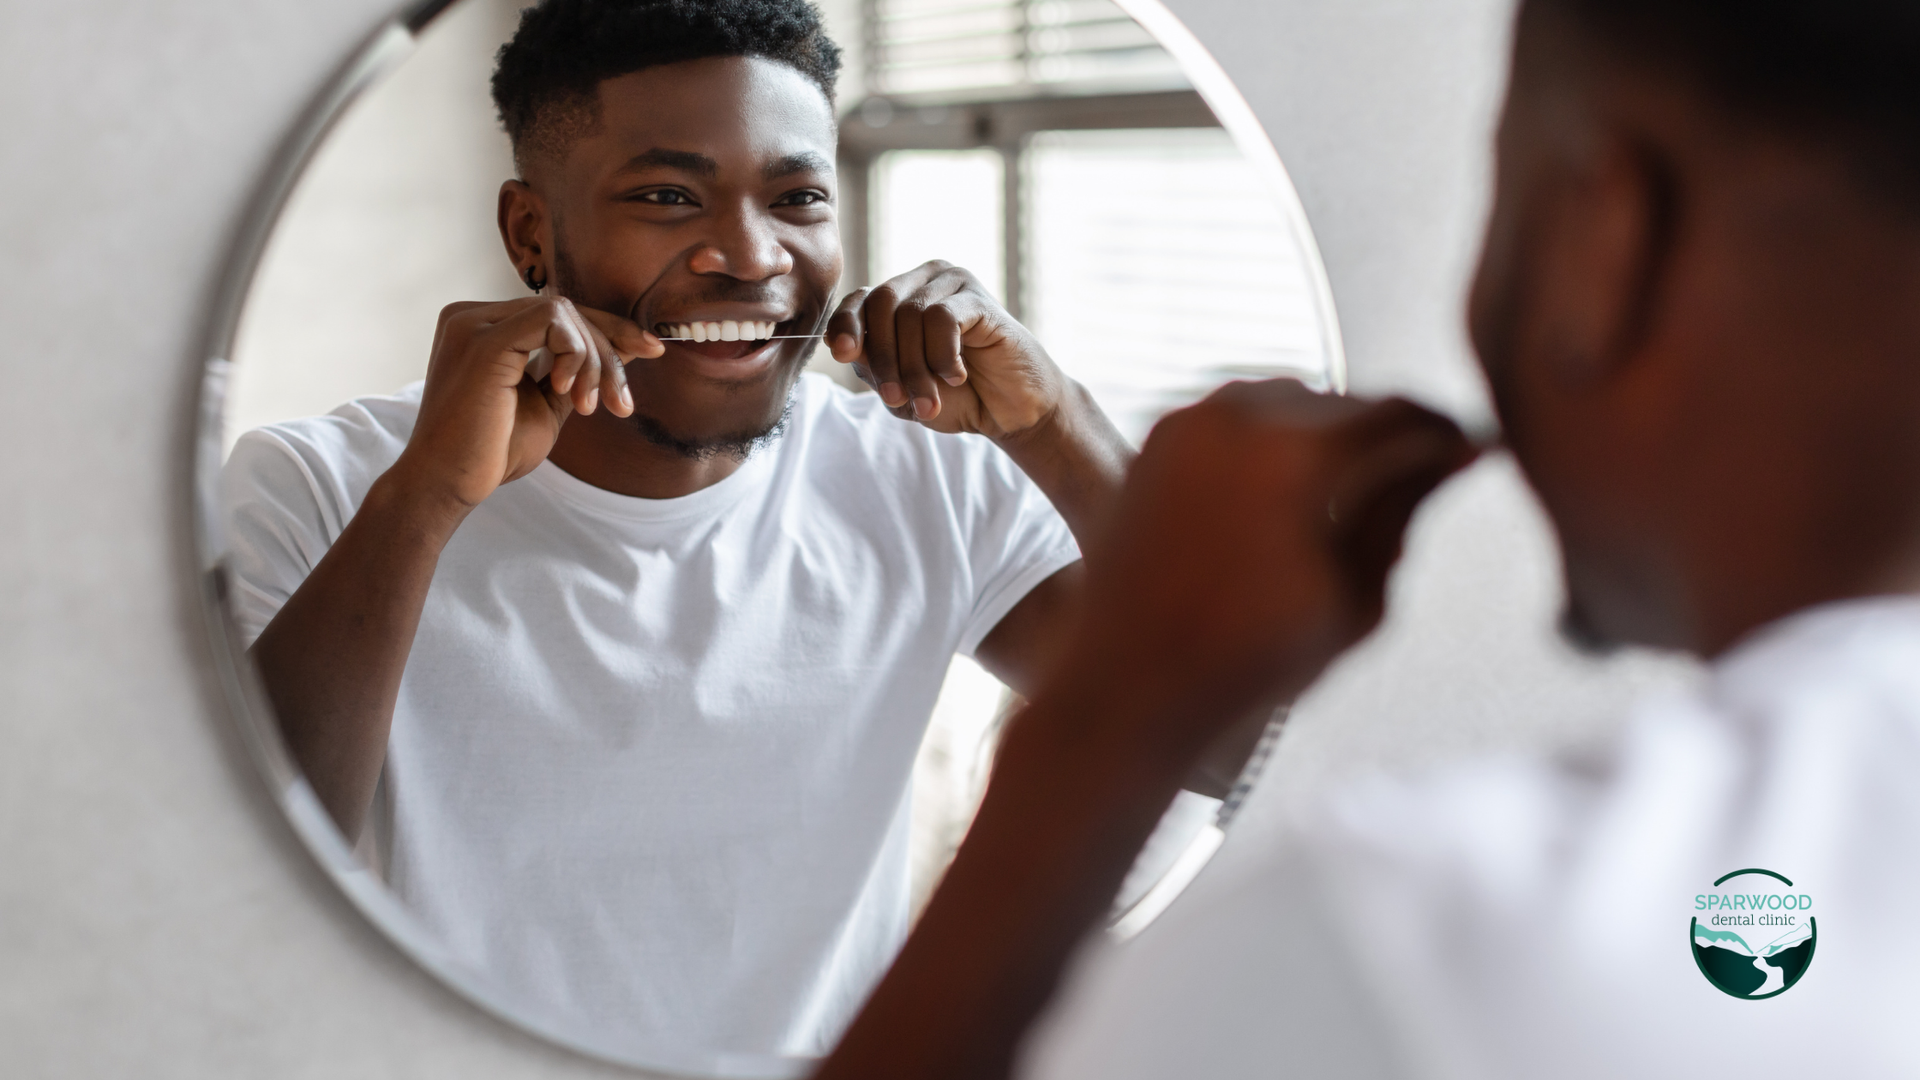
745	247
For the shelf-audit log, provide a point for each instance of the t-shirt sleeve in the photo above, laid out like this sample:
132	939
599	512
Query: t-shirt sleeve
277	525
1016	540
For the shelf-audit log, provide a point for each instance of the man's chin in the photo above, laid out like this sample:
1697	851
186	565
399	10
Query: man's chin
702	419
738	443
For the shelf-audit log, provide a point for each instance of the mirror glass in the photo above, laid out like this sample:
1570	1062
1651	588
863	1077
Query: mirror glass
665	773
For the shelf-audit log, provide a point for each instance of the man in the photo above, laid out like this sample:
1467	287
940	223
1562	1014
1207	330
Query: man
625	663
1696	312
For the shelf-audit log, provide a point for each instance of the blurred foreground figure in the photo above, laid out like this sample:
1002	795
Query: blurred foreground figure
1699	312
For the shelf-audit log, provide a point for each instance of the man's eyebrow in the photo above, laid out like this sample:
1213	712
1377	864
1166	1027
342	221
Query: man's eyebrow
796	163
682	160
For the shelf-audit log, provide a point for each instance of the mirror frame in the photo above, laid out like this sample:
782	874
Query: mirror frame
383	50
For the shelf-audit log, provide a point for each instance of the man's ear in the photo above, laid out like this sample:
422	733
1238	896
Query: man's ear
526	229
1604	254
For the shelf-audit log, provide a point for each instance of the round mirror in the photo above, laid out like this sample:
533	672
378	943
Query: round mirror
622	653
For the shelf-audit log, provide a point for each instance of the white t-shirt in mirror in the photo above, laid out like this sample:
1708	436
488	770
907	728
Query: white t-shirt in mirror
1517	918
651	758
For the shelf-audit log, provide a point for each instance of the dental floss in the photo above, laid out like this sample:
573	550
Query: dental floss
776	337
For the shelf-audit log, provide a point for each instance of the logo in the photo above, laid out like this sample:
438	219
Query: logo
1753	935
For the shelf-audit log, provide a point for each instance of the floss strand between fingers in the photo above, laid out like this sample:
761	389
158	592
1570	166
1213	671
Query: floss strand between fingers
776	337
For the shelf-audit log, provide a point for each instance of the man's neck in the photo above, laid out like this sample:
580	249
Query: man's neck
612	454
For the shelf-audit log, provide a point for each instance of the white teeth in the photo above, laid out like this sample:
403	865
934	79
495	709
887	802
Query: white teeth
728	330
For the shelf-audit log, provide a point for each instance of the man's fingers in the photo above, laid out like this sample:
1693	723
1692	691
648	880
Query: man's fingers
845	332
541	324
611	386
586	383
882	356
628	338
616	393
1373	500
941	331
569	348
894	351
910	344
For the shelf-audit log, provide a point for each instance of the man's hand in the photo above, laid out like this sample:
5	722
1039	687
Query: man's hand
1251	546
485	419
940	349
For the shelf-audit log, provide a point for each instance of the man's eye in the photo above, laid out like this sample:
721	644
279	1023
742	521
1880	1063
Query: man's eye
803	198
665	197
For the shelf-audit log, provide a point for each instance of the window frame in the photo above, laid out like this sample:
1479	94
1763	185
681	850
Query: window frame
880	124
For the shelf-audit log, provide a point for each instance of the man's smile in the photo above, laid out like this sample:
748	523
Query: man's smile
743	339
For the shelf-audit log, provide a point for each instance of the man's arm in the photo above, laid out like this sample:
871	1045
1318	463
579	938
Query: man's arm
1250	549
333	656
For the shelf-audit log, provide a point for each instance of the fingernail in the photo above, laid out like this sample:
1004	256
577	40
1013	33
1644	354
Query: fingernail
954	380
593	400
845	344
891	393
626	398
923	408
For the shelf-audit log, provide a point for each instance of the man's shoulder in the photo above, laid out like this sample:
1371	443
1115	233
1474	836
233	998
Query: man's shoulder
349	446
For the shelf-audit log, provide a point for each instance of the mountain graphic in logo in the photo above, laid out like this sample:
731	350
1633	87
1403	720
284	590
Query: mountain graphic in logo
1758	940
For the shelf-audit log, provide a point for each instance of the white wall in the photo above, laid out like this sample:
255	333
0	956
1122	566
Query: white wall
393	219
156	917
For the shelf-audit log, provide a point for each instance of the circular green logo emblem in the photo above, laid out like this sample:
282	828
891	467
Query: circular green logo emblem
1753	934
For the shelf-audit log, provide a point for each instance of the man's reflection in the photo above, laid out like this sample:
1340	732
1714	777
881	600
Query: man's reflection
625	668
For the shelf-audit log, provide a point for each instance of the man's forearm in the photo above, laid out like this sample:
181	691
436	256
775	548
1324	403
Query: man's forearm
333	657
1077	458
1074	795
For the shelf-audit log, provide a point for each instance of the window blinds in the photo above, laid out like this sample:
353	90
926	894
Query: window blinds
1009	48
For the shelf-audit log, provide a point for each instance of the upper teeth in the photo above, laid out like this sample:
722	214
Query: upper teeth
729	330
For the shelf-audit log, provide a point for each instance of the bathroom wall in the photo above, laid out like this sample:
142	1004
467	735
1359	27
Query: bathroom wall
157	919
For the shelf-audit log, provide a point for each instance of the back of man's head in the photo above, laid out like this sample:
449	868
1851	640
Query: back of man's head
546	78
1846	72
1699	307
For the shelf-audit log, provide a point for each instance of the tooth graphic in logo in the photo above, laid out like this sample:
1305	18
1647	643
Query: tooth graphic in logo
1753	936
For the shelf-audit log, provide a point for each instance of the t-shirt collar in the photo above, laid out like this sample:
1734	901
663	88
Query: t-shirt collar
707	502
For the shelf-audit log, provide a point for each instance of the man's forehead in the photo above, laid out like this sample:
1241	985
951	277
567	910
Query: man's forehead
718	107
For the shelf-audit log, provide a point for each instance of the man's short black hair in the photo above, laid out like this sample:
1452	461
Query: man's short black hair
1846	71
545	79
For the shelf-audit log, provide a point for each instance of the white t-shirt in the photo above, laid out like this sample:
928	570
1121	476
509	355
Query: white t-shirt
650	762
1519	919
